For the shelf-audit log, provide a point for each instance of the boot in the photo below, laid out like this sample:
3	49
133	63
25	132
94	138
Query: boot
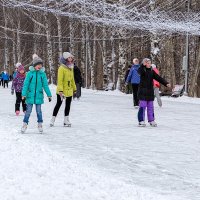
67	122
142	124
153	124
52	121
24	127
17	112
40	127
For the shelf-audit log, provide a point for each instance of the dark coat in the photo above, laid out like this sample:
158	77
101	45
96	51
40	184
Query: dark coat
126	75
146	89
77	75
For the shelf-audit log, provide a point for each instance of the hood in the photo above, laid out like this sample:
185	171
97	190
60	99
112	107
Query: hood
64	63
136	66
32	69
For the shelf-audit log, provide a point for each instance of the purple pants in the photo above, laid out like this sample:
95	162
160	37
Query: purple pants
142	109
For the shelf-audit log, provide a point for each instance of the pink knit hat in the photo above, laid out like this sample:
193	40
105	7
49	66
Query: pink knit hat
21	67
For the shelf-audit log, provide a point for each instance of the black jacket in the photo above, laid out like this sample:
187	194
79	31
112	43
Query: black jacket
77	75
126	75
146	89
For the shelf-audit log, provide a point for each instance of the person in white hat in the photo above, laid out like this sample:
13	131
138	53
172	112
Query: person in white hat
66	87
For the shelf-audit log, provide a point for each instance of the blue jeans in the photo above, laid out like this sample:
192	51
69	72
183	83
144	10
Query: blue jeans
29	110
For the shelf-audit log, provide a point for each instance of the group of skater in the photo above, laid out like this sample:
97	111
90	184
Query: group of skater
145	82
30	87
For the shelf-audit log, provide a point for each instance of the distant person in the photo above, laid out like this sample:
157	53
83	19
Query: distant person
16	68
146	92
17	86
1	79
10	78
157	86
6	78
128	85
2	82
134	79
78	81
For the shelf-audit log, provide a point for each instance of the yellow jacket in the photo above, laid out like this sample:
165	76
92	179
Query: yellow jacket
66	83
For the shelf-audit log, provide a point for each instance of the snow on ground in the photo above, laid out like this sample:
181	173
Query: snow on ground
105	155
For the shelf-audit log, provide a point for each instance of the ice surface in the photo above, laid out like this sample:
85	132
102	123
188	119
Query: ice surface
105	155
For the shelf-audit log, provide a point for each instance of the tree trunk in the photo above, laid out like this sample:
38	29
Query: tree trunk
59	35
6	57
49	50
93	63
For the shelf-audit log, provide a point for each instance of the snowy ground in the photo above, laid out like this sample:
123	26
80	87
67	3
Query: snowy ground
104	156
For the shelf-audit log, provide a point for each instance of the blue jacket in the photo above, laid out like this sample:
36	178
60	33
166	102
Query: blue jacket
133	76
5	77
34	84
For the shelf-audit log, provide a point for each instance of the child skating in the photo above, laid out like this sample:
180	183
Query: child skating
17	86
66	87
34	84
146	92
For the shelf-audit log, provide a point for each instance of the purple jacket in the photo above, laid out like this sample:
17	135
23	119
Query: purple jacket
18	82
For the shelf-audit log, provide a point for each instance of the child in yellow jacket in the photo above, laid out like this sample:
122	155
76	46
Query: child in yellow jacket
66	87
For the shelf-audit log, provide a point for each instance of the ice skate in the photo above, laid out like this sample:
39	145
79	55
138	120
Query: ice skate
67	122
142	124
153	124
24	127
40	127
52	121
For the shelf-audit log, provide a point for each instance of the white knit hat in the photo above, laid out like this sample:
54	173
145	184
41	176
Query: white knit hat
18	64
67	55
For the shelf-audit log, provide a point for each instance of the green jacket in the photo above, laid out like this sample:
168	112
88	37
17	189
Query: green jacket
34	84
66	83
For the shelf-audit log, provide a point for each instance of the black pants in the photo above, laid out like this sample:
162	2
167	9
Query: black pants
18	102
1	82
68	101
135	94
5	83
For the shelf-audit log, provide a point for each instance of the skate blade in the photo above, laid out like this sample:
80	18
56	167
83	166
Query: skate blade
153	125
67	125
139	125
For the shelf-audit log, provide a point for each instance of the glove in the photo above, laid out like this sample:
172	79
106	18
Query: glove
61	93
49	99
12	92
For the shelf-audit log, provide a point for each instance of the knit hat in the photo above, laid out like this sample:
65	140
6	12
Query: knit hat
18	64
67	55
153	66
21	67
145	60
37	60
